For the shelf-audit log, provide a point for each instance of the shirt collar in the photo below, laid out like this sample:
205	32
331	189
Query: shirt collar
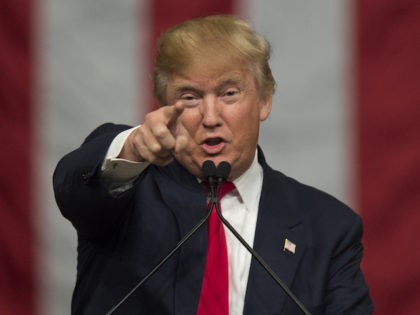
249	184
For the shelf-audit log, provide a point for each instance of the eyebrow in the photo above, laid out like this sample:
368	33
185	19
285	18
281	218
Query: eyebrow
230	80
237	78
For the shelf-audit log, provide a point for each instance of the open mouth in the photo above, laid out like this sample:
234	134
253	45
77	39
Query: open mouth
213	146
213	141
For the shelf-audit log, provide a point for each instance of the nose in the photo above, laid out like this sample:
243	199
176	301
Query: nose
210	112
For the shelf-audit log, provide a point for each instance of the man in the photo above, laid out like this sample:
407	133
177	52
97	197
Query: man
132	194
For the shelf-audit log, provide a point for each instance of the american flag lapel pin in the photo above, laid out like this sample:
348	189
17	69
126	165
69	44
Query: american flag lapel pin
289	246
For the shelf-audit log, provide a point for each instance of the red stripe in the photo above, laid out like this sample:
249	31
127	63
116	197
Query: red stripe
16	230
167	13
388	85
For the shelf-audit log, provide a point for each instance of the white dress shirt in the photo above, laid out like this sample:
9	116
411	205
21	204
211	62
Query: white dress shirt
239	207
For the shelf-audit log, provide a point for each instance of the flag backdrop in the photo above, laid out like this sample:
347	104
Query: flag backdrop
345	119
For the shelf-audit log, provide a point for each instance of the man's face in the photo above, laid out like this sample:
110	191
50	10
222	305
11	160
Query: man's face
222	116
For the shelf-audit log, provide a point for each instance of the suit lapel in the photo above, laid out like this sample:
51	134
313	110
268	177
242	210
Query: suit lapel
187	201
278	220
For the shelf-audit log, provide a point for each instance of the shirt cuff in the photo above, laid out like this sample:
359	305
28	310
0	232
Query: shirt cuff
117	171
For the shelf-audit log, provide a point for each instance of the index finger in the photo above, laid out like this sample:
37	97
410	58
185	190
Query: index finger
172	112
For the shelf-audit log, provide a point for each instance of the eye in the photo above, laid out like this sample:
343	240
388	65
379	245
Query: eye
189	99
231	95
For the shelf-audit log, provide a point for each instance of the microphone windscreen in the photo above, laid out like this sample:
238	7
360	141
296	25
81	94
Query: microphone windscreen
208	169
223	170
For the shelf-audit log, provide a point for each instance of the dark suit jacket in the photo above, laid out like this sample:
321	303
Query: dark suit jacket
120	238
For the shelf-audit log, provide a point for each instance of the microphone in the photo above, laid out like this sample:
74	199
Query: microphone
209	173
219	174
208	170
222	173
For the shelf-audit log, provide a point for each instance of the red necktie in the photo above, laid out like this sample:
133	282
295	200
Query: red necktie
214	299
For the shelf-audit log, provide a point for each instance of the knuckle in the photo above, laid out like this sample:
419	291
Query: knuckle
139	150
155	147
161	132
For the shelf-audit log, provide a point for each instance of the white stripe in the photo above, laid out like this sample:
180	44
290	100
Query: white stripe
89	55
305	135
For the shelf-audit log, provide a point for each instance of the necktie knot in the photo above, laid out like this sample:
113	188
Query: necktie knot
225	188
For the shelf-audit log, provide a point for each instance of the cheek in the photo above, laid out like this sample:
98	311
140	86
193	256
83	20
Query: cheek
190	121
245	130
245	119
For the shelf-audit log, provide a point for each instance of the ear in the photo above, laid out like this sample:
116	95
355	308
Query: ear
265	107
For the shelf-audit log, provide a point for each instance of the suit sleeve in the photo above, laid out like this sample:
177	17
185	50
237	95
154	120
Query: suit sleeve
81	194
347	291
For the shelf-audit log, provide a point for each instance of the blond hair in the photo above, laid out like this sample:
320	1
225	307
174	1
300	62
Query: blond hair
217	41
